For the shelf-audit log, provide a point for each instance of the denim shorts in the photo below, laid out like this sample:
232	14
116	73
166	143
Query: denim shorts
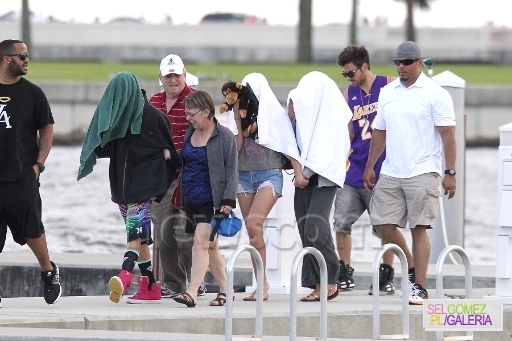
252	181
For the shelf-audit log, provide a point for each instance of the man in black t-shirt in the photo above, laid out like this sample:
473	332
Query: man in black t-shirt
24	112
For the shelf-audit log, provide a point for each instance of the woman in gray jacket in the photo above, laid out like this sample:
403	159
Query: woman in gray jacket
208	187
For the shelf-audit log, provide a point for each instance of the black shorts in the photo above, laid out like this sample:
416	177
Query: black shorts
20	207
198	213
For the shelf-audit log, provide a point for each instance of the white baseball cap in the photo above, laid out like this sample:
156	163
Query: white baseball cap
171	64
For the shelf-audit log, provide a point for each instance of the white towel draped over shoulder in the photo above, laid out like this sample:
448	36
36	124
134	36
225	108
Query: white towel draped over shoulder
275	129
322	116
231	122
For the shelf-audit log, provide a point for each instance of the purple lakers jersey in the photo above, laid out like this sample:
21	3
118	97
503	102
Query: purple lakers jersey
364	110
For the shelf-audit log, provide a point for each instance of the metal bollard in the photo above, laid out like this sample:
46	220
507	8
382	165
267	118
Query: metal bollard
405	293
228	329
439	283
323	293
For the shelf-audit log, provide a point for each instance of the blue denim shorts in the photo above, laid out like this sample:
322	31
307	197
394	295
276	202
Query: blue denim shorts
252	181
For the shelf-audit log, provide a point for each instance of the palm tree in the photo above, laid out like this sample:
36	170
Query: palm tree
410	31
305	32
353	23
25	23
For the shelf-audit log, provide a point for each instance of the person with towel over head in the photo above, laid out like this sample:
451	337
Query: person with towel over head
261	158
320	116
136	137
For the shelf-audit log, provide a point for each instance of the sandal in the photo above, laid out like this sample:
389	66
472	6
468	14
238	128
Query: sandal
334	294
184	298
219	301
314	298
310	298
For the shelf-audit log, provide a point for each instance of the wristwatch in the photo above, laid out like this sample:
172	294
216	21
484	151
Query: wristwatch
450	171
41	166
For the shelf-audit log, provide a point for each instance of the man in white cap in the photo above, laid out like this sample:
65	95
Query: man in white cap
174	245
416	124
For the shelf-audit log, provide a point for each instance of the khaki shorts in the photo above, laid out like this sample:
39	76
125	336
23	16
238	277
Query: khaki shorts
400	201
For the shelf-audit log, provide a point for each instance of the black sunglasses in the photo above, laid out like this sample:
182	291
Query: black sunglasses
22	56
405	62
349	74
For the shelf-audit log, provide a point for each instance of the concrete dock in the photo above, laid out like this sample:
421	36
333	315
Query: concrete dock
93	317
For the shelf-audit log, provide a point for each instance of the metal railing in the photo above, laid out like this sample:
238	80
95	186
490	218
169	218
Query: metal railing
439	284
405	294
323	292
228	329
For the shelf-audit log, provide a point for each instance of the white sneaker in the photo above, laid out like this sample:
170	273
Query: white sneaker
410	283
418	294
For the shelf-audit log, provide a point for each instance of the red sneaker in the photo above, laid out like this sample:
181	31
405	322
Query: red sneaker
145	295
119	285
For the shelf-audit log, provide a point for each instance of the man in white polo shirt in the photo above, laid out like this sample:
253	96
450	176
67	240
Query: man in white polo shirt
416	124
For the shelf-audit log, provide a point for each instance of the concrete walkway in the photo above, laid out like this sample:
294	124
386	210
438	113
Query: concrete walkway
94	317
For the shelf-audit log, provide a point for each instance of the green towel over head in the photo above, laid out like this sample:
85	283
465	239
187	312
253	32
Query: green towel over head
119	109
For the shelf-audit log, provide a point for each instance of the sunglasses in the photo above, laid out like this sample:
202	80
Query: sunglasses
405	62
349	74
23	56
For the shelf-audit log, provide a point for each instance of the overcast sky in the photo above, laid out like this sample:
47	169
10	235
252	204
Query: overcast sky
443	13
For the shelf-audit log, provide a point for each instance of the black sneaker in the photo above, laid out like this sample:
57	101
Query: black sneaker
386	275
167	293
52	288
202	289
418	294
345	279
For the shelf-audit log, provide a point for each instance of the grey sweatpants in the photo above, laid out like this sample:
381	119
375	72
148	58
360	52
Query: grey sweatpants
312	210
174	245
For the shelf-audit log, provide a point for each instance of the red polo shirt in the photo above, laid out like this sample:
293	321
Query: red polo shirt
176	115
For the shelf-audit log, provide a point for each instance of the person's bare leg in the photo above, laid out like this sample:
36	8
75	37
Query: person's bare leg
260	206
391	234
200	258
135	245
40	249
216	265
388	258
421	254
344	246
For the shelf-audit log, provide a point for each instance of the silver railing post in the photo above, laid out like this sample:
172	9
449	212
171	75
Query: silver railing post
228	329
323	292
468	279
405	293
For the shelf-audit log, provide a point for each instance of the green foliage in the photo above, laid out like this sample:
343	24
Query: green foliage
275	73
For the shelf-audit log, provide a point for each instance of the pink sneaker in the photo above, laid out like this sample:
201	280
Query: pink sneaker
145	295
119	285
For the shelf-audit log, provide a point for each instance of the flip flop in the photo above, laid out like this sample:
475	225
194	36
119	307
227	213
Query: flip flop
334	294
184	298
310	298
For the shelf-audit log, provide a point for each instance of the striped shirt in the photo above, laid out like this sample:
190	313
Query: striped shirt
176	115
